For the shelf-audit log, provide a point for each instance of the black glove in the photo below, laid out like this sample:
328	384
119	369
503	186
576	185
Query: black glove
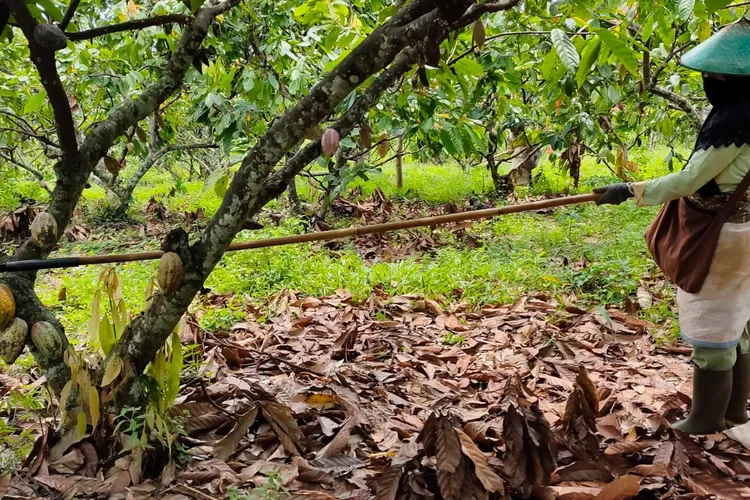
614	194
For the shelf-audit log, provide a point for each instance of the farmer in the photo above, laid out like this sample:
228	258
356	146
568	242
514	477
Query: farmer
715	319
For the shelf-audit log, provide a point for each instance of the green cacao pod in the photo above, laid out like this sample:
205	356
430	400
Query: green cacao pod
7	306
47	341
12	340
44	230
50	36
170	272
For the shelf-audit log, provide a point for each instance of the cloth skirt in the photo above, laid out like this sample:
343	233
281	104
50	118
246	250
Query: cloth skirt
716	316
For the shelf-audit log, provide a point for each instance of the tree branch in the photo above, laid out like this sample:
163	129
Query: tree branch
32	171
147	333
69	14
137	24
45	63
73	171
682	103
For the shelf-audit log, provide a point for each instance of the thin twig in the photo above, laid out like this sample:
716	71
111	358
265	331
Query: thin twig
212	402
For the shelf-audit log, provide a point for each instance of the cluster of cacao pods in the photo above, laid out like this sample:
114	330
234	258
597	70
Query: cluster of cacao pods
14	331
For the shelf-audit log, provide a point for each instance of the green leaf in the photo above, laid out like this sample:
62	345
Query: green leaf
620	49
714	5
447	141
684	9
565	49
175	367
588	59
548	64
114	367
81	425
35	102
106	335
469	67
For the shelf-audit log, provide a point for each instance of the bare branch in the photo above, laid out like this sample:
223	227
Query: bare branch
137	24
9	158
45	63
69	14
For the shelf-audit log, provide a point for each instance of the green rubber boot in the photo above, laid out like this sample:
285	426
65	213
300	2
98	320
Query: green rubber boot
737	409
711	391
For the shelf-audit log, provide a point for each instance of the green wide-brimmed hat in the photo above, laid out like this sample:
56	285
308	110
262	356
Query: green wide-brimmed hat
725	53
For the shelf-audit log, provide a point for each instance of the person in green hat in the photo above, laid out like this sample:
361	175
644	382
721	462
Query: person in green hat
714	320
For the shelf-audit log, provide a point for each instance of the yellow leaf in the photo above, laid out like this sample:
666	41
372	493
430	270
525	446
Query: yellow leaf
95	318
113	370
94	406
704	31
81	424
321	400
64	395
479	34
220	18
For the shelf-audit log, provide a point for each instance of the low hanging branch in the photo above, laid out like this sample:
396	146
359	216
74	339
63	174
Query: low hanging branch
135	25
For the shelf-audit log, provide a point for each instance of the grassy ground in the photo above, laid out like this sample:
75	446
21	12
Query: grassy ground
596	253
593	255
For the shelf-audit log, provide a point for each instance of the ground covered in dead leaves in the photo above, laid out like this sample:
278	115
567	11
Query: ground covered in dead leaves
407	398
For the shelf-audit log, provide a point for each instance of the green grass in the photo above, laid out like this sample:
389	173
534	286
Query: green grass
522	253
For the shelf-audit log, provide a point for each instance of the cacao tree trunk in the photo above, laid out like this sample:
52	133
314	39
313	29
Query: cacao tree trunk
400	164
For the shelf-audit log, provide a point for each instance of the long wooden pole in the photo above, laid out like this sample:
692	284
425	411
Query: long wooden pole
32	265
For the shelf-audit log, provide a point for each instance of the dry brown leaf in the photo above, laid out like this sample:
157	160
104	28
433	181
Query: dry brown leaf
227	446
338	443
4	484
621	488
447	445
388	483
627	447
289	434
487	476
585	470
720	487
455	485
514	461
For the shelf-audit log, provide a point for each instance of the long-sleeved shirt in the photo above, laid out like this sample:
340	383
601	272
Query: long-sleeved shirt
726	165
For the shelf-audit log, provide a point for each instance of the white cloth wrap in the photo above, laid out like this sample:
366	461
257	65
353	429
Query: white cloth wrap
716	316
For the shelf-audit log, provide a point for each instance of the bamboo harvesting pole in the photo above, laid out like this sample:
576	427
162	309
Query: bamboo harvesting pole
63	262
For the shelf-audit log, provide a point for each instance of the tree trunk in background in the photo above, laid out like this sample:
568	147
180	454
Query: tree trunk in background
293	196
400	164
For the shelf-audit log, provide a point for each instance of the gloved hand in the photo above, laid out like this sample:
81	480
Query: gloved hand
614	194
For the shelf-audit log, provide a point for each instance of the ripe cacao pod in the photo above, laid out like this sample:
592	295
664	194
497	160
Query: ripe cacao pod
7	306
12	340
47	341
329	143
50	36
44	230
170	272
